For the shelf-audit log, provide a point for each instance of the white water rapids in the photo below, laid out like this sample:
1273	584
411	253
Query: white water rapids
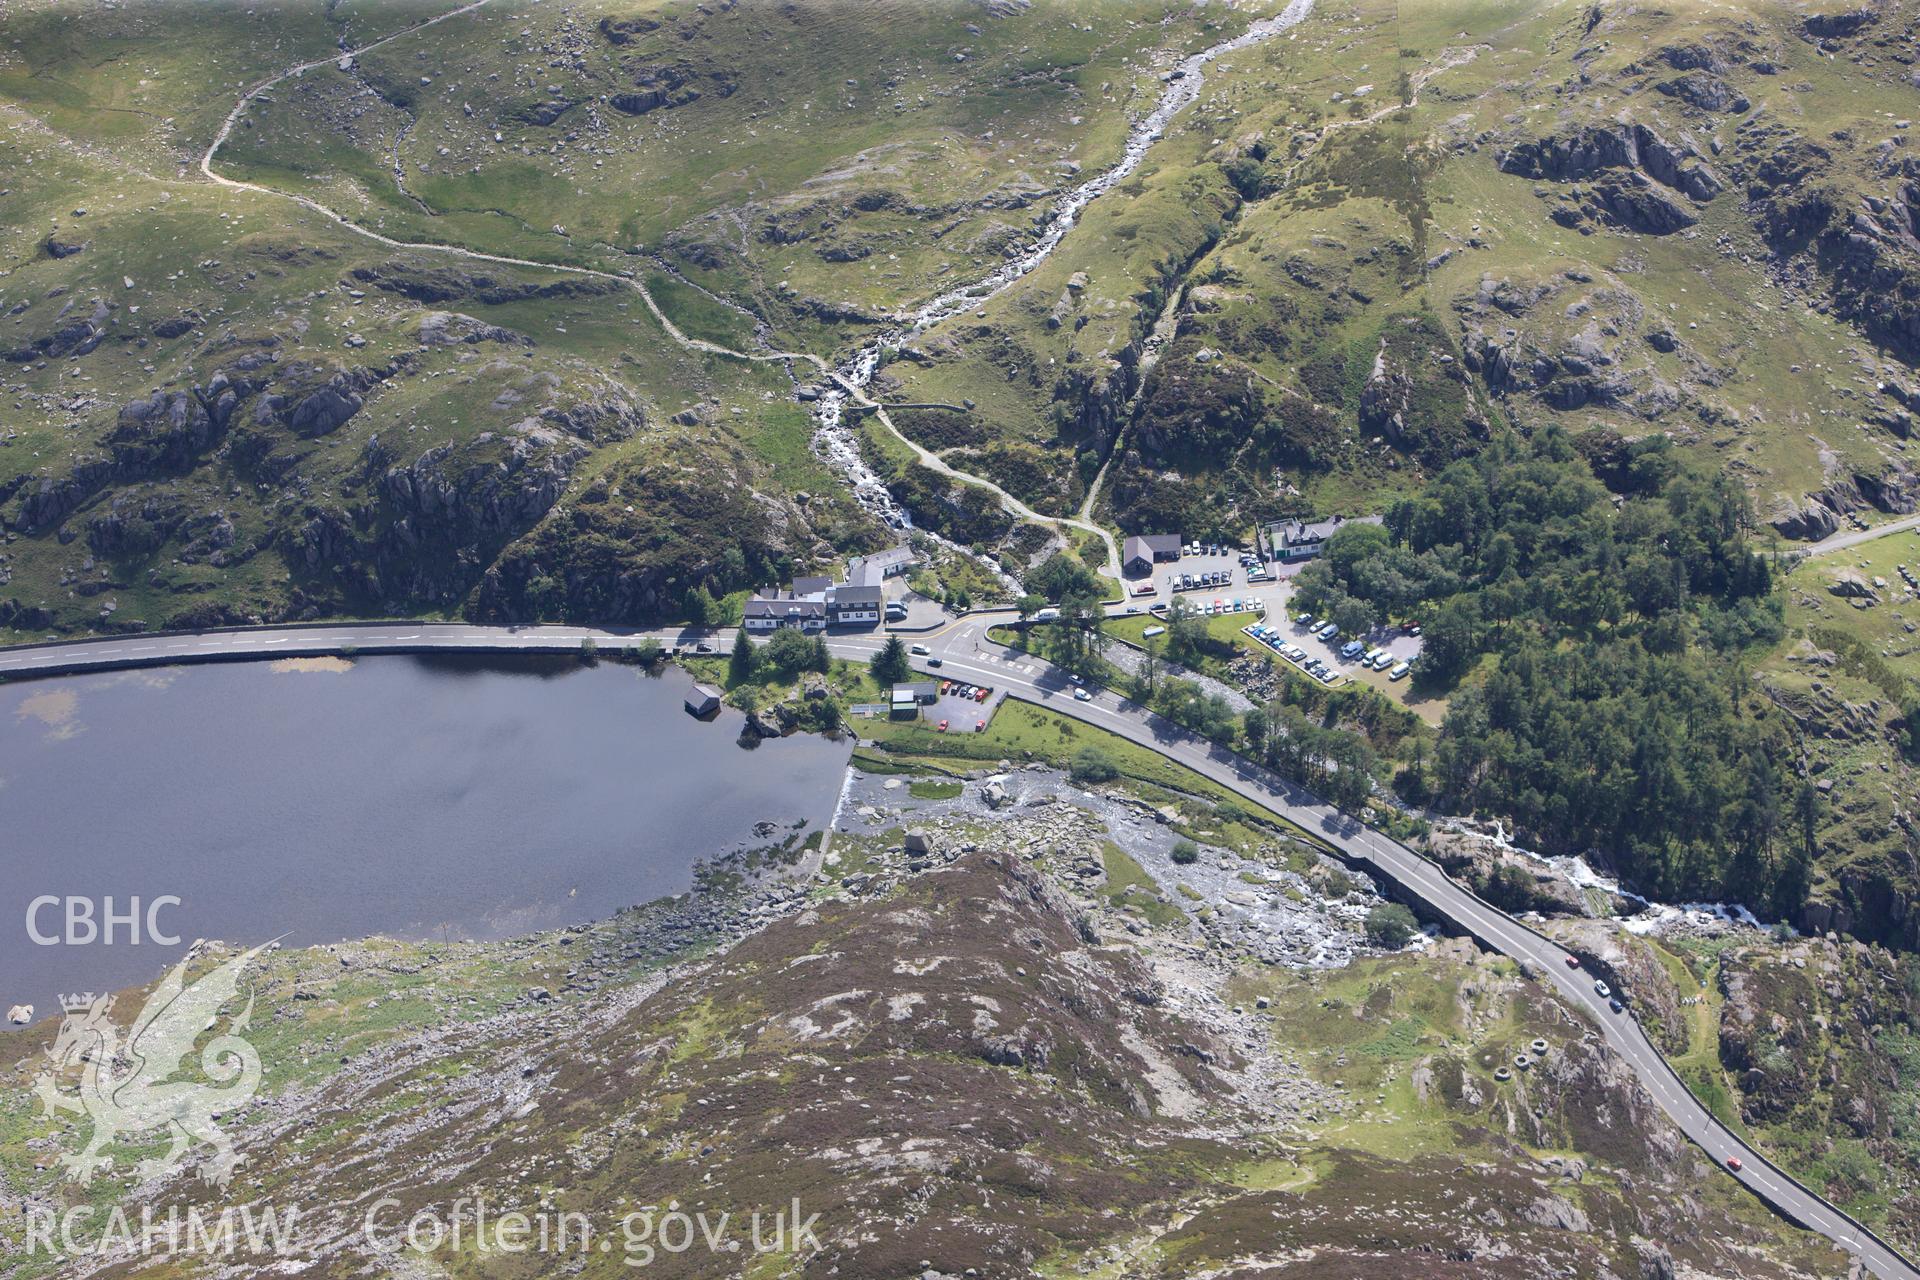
835	440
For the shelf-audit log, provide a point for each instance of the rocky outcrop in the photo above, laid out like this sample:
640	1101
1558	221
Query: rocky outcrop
1705	91
450	329
623	31
1585	154
73	336
315	400
440	284
670	85
1635	178
641	538
1838	25
1894	490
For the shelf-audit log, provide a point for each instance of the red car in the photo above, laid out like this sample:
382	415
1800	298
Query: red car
1733	1163
943	726
1573	962
979	726
980	696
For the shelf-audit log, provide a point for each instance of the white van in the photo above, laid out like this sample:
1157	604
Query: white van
1400	670
919	650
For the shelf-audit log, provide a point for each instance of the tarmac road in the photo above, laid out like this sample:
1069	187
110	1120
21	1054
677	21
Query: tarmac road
962	649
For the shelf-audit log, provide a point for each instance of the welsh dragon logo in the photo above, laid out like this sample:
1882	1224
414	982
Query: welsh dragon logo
128	1090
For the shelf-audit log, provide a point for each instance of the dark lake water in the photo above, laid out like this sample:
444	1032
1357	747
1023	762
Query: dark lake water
409	797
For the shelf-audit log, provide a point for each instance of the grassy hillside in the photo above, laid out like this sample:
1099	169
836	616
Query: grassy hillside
342	427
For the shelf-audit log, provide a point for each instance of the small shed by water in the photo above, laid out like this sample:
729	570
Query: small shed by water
703	700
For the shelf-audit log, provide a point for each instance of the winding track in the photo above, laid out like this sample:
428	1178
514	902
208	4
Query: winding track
962	649
852	389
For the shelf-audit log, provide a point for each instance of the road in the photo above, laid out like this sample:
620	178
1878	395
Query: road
1841	541
962	649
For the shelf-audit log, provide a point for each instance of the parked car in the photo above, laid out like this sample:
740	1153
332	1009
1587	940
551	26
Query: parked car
1399	671
943	726
980	695
1305	619
979	726
1328	632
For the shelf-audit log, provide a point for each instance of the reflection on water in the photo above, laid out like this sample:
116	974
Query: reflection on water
416	797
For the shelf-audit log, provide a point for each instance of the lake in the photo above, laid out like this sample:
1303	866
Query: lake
327	800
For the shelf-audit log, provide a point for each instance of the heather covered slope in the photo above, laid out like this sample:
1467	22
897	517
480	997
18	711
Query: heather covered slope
981	1064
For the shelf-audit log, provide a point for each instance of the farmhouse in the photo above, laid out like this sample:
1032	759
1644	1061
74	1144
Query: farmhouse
1299	539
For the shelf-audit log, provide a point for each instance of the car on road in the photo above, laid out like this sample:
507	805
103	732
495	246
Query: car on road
1733	1163
1601	989
1081	695
703	647
1573	962
1615	1005
919	649
936	662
